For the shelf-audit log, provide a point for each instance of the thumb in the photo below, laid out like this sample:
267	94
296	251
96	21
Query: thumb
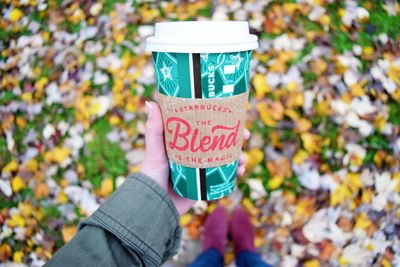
154	138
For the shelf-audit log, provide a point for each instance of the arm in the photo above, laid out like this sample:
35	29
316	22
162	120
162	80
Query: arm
136	226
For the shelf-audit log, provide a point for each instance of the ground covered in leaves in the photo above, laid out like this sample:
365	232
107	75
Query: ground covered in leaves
323	175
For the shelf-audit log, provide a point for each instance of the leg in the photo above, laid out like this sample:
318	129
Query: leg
242	232
215	233
250	259
208	258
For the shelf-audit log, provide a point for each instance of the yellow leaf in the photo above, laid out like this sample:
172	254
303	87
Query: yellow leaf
62	197
58	154
386	263
253	157
106	187
76	16
362	221
118	85
305	207
134	168
293	115
27	97
94	108
265	115
17	184
119	37
340	195
294	99
15	15
249	207
185	219
368	50
300	156
31	165
290	8
16	220
343	261
228	258
270	112
68	232
115	120
39	85
260	85
278	65
396	94
275	182
325	20
396	177
353	181
370	246
394	74
319	66
292	86
63	182
379	122
303	125
312	263
311	142
357	89
367	195
211	207
10	167
119	99
25	209
259	241
131	106
323	108
18	256
21	122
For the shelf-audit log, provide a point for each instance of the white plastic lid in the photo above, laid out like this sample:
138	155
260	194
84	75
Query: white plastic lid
201	37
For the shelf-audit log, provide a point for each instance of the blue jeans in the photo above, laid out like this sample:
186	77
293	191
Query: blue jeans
212	258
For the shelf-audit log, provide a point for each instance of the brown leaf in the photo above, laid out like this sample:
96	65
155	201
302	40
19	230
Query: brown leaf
299	237
41	191
326	249
5	252
346	224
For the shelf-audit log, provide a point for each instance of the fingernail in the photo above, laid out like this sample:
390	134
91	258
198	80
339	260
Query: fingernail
149	109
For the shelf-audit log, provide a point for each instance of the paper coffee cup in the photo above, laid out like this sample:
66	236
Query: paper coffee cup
202	71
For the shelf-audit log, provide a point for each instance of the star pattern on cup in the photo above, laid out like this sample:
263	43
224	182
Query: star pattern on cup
166	72
204	57
236	60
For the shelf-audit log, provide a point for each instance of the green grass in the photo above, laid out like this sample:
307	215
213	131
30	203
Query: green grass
101	158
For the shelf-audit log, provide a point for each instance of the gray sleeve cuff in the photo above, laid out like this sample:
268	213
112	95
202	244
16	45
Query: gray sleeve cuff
142	215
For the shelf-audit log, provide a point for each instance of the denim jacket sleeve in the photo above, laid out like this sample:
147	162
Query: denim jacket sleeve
137	226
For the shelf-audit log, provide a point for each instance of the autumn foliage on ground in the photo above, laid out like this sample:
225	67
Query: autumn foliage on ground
323	173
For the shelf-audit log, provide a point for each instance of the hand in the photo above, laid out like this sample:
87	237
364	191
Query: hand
155	164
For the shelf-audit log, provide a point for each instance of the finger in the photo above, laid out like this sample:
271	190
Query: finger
241	170
242	159
246	134
154	138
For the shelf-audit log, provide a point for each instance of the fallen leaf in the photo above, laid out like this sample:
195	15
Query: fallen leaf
5	252
17	257
17	184
68	232
10	167
312	263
